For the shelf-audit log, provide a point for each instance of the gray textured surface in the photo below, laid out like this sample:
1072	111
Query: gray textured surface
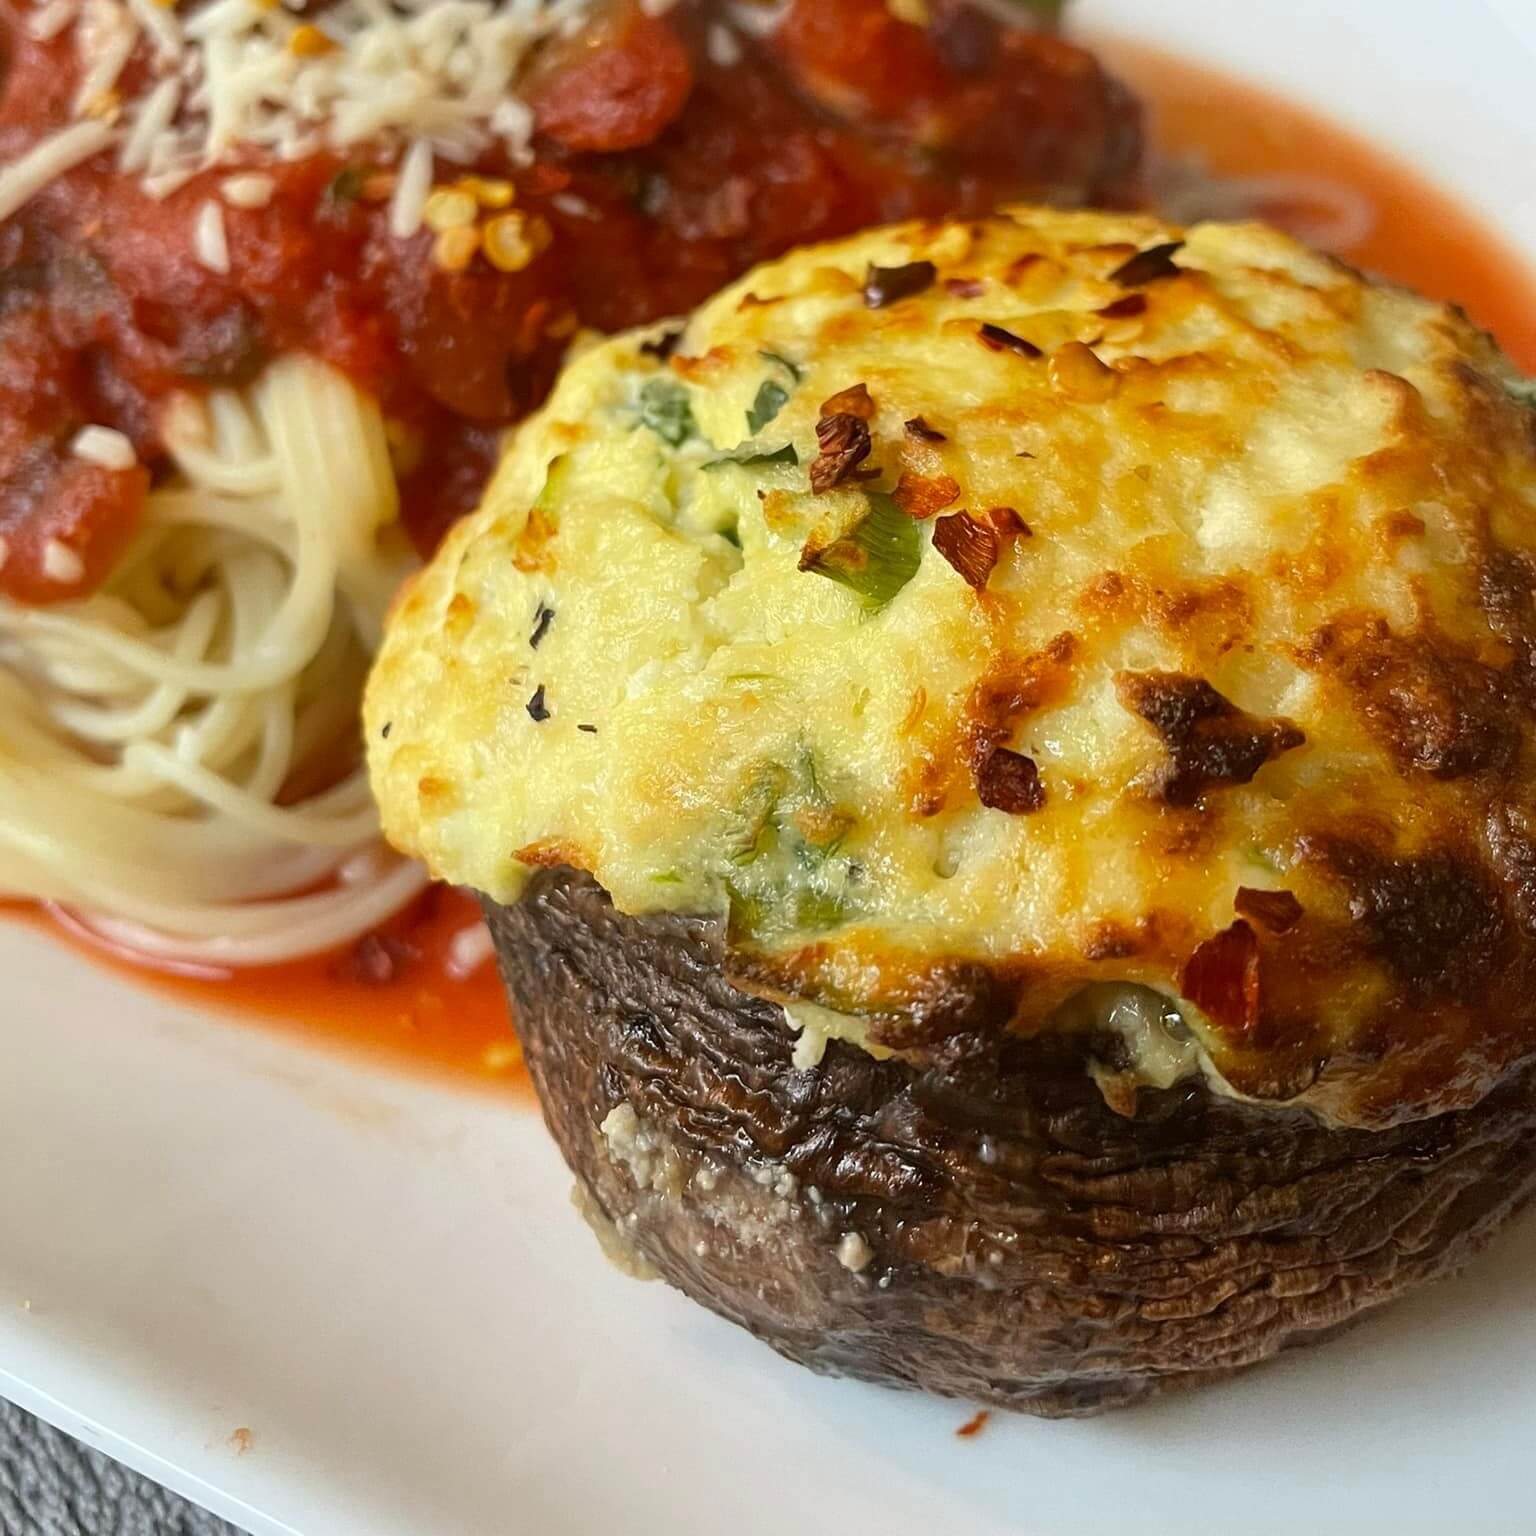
51	1485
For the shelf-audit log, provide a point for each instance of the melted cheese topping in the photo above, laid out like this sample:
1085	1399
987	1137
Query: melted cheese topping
1244	506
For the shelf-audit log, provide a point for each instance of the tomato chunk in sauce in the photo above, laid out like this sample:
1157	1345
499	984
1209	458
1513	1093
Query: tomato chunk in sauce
671	152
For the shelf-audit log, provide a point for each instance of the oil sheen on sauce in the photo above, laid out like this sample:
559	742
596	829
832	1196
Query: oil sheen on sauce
396	998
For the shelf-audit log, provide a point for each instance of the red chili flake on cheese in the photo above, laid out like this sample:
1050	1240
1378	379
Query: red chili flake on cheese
1009	781
920	429
1152	265
1123	309
996	339
971	547
856	400
844	441
1221	978
888	285
1277	911
921	496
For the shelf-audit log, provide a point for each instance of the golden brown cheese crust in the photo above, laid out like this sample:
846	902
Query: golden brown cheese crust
1216	674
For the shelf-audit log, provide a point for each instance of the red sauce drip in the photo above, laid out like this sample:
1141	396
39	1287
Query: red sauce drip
634	268
390	997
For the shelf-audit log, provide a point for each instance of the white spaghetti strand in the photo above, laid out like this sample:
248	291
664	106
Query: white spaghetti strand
1316	209
178	753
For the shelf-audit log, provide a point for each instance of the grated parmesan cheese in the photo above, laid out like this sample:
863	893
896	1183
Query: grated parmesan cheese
149	127
49	159
468	950
50	19
757	18
159	22
209	242
105	36
724	46
105	446
412	188
61	563
249	191
414	79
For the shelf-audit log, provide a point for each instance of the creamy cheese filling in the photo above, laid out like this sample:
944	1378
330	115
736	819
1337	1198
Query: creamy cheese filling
1158	1048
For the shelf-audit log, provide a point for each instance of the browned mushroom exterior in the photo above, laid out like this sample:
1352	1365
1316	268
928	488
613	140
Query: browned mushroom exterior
975	1221
1064	772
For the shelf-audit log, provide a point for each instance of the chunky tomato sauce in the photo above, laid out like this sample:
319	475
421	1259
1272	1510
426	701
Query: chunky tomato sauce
659	171
688	171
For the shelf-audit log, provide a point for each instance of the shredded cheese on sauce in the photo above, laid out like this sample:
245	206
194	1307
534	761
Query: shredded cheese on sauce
47	160
105	446
422	79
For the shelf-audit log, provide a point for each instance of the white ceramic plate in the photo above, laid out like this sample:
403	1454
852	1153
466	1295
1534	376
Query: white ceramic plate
205	1230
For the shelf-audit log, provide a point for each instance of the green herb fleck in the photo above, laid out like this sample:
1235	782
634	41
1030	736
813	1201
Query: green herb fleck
798	908
786	870
792	369
877	557
664	408
749	453
817	910
556	483
771	399
752	836
346	186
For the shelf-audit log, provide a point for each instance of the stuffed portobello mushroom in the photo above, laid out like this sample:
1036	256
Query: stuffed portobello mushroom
998	760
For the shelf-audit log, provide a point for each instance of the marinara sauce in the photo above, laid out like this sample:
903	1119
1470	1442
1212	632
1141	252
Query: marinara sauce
654	242
663	167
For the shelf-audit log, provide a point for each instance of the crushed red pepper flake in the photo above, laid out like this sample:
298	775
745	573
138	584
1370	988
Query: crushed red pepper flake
844	443
971	547
1221	978
1008	781
965	287
856	400
1153	265
1008	523
920	429
1276	911
975	1424
921	496
1124	309
888	285
996	339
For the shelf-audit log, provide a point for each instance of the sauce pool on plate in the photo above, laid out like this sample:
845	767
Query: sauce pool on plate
422	992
